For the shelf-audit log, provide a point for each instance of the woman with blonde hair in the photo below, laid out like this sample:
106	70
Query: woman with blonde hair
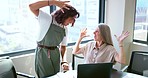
101	49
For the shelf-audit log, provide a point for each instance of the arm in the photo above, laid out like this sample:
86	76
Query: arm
76	47
82	35
34	7
121	57
62	49
64	63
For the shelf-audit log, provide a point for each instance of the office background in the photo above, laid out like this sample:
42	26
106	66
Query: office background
119	16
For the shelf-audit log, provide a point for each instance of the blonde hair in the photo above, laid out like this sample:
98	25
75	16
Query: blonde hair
105	33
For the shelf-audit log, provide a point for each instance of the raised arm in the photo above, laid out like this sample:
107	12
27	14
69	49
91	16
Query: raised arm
34	7
121	57
82	35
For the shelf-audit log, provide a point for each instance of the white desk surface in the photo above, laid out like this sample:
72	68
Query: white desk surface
68	74
73	74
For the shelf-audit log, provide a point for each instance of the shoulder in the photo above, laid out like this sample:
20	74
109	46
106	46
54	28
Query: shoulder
111	48
43	15
90	44
44	19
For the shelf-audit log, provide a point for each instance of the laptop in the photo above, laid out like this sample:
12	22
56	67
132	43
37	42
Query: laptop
97	70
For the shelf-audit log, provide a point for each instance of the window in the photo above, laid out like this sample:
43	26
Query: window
141	22
19	28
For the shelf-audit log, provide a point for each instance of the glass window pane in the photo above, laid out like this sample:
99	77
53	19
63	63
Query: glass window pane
18	26
141	20
89	18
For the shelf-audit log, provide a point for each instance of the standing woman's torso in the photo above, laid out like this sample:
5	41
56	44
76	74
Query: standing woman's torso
45	21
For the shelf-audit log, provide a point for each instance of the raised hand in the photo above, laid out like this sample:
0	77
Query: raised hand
122	37
83	33
63	4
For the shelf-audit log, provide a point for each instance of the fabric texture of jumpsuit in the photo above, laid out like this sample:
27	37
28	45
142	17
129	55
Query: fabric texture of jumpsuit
47	62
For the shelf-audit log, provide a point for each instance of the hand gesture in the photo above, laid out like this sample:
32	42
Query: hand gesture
83	33
62	4
122	37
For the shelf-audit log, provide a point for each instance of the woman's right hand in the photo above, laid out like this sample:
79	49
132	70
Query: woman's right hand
62	4
83	33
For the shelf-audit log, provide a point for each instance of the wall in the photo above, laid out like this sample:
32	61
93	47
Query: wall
120	17
115	19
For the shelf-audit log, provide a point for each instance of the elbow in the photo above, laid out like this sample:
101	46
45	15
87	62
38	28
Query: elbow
74	52
33	9
31	6
123	62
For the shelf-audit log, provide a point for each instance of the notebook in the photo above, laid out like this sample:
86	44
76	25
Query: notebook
97	70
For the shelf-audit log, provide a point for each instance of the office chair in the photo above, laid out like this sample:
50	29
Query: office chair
76	59
138	63
7	69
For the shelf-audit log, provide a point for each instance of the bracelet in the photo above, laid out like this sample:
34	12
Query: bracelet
63	63
48	2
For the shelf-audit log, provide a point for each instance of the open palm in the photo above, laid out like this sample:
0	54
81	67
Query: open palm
63	4
122	36
83	33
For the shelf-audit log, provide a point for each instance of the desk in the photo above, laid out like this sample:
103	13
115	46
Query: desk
118	74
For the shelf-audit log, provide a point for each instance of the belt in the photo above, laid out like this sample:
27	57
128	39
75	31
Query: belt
47	47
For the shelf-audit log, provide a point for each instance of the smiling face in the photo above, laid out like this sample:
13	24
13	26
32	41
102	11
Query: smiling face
97	35
69	20
103	34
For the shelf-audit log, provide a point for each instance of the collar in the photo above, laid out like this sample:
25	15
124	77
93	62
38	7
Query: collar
101	47
60	25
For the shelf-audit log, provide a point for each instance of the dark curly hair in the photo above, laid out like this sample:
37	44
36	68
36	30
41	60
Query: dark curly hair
60	17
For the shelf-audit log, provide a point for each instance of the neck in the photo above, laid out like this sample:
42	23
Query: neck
99	43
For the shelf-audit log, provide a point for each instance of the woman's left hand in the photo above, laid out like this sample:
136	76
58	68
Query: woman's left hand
122	37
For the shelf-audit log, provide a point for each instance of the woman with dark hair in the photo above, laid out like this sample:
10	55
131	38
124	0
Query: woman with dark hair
53	33
101	49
